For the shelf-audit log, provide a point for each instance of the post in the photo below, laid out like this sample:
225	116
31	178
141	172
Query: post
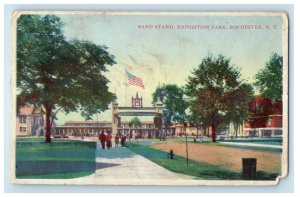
126	76
114	124
186	145
249	168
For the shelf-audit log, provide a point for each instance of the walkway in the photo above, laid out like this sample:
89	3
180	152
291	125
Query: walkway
123	167
252	144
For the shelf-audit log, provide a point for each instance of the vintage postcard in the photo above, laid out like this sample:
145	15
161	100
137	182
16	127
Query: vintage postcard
149	98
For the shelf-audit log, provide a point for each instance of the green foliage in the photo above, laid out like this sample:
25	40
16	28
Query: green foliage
59	74
38	41
216	93
135	122
239	109
174	106
269	79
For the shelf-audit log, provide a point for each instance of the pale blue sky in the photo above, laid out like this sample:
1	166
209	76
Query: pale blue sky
169	56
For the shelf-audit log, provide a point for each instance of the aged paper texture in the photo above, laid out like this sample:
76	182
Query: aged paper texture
149	98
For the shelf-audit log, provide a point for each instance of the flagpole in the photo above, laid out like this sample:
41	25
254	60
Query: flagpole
116	85
126	75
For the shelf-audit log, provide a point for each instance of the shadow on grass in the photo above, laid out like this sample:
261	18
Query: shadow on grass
114	153
60	160
25	169
101	165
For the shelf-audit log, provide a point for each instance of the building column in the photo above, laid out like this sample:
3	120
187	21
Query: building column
114	122
260	133
273	133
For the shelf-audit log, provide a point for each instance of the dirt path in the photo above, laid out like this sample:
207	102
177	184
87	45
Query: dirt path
226	157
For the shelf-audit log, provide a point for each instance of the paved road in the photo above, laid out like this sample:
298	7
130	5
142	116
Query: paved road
122	166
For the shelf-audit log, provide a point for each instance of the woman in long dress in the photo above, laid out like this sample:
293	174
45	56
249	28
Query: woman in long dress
108	140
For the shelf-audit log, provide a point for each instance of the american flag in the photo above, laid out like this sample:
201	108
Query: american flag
133	80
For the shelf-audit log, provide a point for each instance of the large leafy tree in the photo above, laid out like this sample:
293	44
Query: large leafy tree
269	84
58	74
174	105
269	79
239	110
216	91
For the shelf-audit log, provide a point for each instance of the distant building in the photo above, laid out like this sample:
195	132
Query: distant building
272	129
87	128
147	128
94	128
239	131
190	130
265	118
29	122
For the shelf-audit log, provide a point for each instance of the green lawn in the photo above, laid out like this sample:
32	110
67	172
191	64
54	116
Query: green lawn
199	170
57	160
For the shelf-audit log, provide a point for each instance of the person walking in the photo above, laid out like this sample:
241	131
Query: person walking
102	139
117	140
123	139
108	140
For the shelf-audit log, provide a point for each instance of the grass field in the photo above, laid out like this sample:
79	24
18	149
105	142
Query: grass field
57	160
197	169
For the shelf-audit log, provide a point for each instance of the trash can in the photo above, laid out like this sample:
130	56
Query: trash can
249	168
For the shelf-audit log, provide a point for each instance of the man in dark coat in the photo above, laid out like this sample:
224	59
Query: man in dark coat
123	139
102	139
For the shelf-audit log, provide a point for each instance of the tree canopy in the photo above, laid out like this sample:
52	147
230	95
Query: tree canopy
269	79
174	106
216	92
239	110
55	73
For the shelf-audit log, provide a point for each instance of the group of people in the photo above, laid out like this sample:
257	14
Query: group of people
106	139
120	138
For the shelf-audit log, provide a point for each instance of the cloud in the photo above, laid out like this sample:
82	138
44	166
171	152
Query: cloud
159	58
133	60
148	69
126	65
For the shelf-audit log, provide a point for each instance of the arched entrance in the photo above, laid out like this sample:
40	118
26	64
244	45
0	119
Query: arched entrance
137	109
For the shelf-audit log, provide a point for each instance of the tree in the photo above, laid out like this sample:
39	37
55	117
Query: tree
269	79
135	122
174	105
195	117
57	74
216	91
239	110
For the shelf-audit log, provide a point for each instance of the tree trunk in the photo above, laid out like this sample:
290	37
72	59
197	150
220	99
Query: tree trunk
213	132
48	123
53	117
207	131
236	129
